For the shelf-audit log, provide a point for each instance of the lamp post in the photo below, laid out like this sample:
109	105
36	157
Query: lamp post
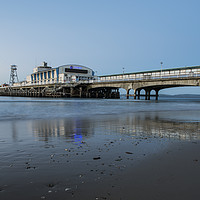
123	72
96	75
161	63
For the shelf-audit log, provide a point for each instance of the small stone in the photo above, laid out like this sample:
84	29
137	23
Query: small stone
129	152
51	185
194	142
96	158
118	159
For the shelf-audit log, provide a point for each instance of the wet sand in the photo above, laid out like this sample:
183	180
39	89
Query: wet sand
131	156
172	174
116	169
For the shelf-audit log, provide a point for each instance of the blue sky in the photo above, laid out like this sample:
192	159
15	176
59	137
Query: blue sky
105	35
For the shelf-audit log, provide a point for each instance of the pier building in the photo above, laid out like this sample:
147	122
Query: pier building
63	74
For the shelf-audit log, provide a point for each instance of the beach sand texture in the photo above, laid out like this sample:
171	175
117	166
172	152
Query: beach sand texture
142	155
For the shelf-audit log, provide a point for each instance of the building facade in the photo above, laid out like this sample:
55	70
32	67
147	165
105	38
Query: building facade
63	74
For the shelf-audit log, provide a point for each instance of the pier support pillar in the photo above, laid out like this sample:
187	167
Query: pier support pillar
63	92
135	94
80	92
39	92
71	91
157	94
138	94
127	94
117	94
87	94
110	91
147	94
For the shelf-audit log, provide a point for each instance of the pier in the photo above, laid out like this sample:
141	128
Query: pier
73	90
147	84
80	82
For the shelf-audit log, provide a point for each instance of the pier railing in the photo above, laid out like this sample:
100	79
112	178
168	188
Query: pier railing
193	72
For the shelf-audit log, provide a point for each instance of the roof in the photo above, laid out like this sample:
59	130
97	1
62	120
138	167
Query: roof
74	65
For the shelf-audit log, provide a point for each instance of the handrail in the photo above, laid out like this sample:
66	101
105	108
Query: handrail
144	77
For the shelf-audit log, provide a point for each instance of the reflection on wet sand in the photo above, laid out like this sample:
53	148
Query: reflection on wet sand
114	156
14	131
70	128
154	125
145	124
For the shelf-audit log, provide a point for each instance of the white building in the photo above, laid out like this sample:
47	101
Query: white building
64	74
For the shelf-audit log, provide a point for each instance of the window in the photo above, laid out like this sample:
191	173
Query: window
81	71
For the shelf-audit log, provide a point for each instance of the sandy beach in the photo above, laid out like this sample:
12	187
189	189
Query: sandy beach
136	155
112	170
